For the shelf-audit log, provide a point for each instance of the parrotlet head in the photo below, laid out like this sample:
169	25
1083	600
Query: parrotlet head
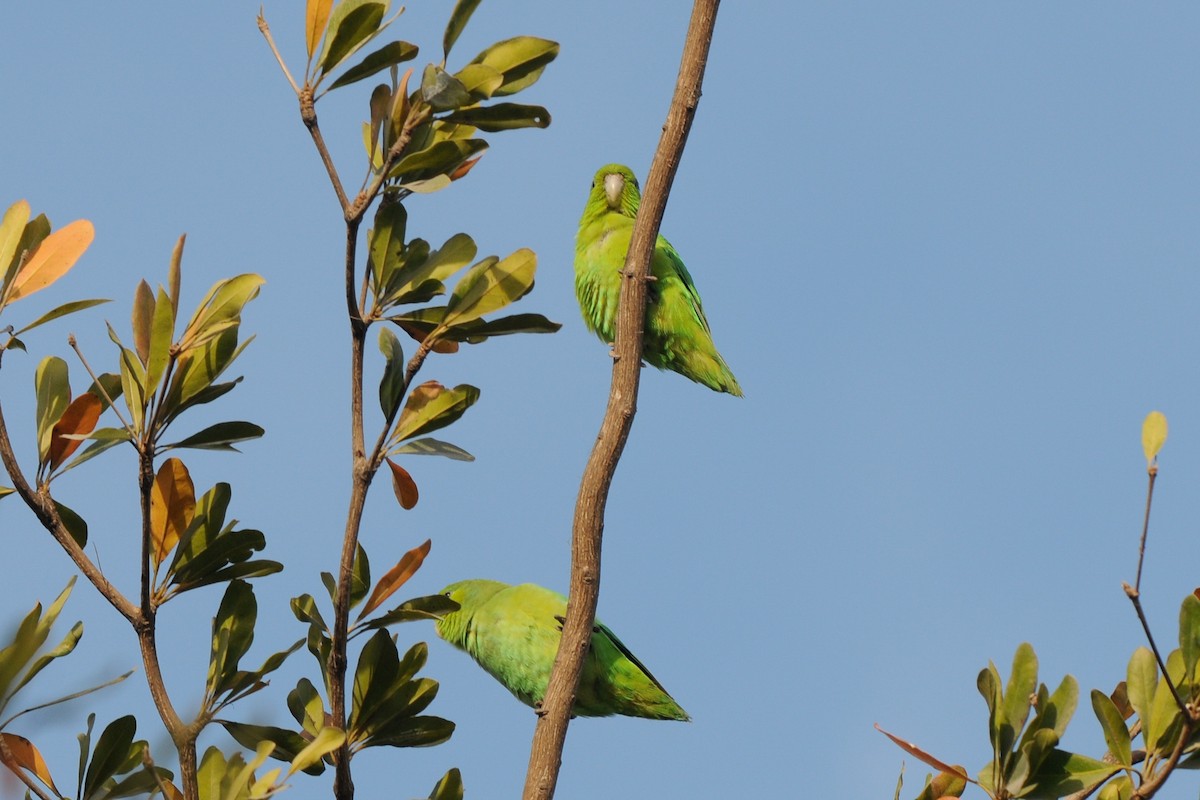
469	595
617	188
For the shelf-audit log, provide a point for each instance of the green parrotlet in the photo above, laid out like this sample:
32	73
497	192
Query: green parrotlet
676	333
513	632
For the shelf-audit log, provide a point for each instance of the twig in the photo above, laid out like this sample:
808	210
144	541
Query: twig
266	32
545	758
1135	598
1137	583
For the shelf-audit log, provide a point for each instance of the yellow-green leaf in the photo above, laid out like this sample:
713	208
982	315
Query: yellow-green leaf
521	60
352	23
53	391
143	319
11	228
53	258
490	286
172	507
1154	435
325	742
459	17
432	406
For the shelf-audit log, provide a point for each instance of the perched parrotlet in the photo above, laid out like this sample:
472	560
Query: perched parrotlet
513	633
676	333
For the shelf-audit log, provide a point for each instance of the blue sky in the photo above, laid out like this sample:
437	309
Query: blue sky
949	249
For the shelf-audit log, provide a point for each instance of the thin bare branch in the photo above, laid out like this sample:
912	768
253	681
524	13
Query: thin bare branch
545	756
1137	583
266	32
43	508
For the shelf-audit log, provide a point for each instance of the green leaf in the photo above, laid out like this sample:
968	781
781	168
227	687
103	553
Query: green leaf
351	25
232	634
1189	636
1168	720
53	390
441	90
433	447
12	226
107	386
387	242
1116	735
438	159
387	56
112	749
1018	696
1140	683
162	330
305	609
431	406
220	310
219	437
988	683
142	319
479	330
459	17
502	117
287	743
360	576
75	524
480	80
416	273
414	732
431	607
391	385
375	678
1054	712
491	285
61	311
520	60
1062	773
306	706
450	787
1120	788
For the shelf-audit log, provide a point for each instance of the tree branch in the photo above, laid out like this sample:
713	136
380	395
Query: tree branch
545	756
43	508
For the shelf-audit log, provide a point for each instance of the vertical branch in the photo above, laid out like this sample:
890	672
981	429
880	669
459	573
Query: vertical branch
545	756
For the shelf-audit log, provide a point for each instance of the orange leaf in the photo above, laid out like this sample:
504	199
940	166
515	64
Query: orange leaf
79	418
25	756
57	253
403	485
396	577
315	20
463	168
918	753
172	792
172	506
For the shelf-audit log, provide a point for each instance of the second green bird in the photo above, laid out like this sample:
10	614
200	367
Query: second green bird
676	332
514	631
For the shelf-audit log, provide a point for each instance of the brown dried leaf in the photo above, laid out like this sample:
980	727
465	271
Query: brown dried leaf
403	485
463	168
79	419
26	756
172	506
53	258
920	754
396	577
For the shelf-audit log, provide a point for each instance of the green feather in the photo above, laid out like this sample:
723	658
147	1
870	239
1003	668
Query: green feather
513	632
677	336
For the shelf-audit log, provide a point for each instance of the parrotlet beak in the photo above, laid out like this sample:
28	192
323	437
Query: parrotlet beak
614	187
